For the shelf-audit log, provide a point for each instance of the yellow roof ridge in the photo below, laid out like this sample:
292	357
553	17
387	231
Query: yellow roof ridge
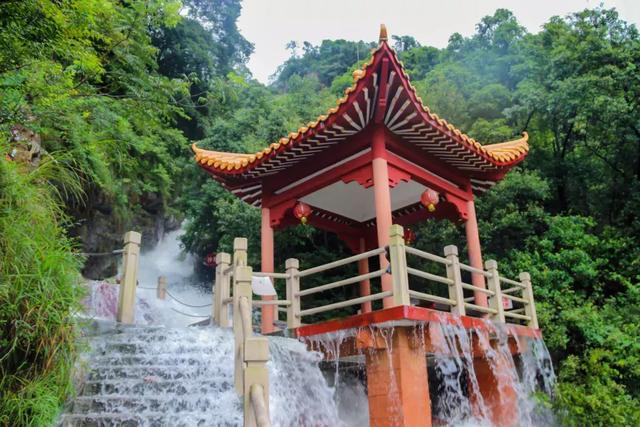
504	151
225	160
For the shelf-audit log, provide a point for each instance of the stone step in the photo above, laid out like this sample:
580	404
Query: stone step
160	359
142	348
166	372
142	405
154	386
158	419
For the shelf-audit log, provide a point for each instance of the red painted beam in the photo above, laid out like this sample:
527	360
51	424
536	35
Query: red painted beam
424	177
411	313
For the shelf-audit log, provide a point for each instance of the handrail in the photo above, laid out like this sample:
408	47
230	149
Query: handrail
271	275
282	302
471	269
256	392
426	255
347	303
480	308
514	298
511	282
514	289
429	276
432	298
517	316
340	283
341	262
477	288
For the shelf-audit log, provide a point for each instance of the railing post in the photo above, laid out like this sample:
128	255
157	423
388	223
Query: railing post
530	308
127	297
293	287
241	289
453	273
398	262
221	291
240	251
495	301
256	380
161	290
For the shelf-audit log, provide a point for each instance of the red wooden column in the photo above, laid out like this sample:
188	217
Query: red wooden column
496	381
382	195
397	379
475	253
365	285
267	265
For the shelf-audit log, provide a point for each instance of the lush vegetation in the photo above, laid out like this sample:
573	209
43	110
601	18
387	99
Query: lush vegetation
112	92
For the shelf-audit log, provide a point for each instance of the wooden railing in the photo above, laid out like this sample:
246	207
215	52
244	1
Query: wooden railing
405	276
251	376
129	280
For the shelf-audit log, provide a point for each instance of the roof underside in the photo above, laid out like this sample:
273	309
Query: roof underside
404	115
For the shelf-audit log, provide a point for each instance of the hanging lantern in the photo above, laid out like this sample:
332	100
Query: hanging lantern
430	199
210	260
302	211
409	236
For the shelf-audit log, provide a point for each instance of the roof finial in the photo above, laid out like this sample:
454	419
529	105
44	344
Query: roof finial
383	34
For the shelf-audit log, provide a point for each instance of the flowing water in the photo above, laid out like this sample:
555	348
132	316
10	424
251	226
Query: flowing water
160	372
454	384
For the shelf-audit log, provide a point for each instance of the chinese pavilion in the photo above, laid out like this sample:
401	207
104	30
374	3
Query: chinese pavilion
366	164
379	157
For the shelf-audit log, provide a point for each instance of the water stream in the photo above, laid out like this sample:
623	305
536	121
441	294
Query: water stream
162	372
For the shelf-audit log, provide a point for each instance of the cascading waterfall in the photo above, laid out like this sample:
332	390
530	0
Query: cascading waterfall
299	394
458	382
455	394
160	372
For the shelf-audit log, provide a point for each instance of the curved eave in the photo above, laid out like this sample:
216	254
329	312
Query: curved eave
228	164
500	156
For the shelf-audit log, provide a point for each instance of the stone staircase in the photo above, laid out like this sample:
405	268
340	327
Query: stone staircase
155	376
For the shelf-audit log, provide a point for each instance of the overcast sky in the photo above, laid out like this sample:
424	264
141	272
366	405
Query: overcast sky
271	24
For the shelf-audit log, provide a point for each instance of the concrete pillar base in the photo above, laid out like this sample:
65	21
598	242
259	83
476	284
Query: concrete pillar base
496	382
397	382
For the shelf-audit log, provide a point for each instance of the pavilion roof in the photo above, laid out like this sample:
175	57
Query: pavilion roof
405	115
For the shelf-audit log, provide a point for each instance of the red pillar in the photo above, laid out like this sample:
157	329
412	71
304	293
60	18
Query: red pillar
496	380
397	382
382	194
475	253
267	265
365	285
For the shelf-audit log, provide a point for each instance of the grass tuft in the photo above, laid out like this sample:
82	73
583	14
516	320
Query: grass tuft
39	291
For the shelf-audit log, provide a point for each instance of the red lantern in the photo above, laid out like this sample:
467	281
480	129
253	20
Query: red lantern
430	199
409	236
302	211
210	260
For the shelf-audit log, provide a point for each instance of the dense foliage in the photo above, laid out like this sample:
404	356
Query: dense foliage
86	123
113	91
568	215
